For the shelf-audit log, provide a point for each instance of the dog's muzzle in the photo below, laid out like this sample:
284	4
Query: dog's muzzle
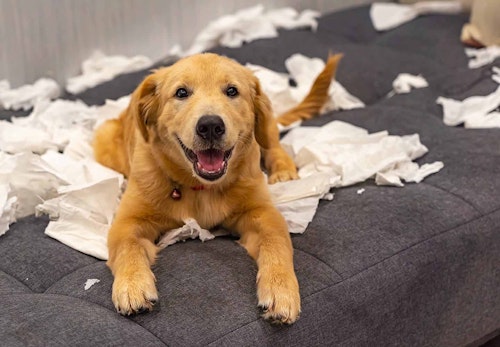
210	163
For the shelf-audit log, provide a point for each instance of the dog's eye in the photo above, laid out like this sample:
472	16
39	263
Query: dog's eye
232	92
181	93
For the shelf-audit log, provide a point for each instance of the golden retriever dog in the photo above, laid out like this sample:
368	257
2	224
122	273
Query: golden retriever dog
190	143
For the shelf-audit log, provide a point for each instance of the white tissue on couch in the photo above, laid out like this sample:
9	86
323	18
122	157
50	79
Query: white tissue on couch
26	96
405	82
248	25
99	68
386	16
190	230
473	112
60	120
83	209
349	154
482	56
31	180
8	205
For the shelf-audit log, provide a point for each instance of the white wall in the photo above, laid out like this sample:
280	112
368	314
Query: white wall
51	37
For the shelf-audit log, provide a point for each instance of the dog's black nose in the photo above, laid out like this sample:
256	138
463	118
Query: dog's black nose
210	128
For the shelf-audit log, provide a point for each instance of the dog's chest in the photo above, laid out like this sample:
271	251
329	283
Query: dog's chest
208	208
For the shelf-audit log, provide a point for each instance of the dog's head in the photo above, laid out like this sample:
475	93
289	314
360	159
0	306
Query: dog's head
202	111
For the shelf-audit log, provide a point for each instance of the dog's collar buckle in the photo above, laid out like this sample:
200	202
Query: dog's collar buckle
177	194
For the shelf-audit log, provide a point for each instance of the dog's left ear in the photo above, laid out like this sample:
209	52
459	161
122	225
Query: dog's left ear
266	128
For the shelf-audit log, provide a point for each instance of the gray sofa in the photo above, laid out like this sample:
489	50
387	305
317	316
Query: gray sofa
412	266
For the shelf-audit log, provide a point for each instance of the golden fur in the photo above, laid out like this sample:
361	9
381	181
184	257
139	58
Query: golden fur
174	173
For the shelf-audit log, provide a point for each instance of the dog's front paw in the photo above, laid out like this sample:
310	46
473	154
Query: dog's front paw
134	292
278	295
283	176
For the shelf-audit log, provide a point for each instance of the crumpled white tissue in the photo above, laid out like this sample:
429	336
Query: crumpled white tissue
26	96
304	71
298	200
84	207
349	154
340	154
405	82
51	125
386	16
90	282
100	68
8	205
247	25
482	56
190	230
30	179
473	112
496	74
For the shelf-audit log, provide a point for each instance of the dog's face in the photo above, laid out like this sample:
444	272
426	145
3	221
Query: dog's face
202	111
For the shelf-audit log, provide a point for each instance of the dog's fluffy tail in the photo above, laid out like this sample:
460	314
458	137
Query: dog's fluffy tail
317	97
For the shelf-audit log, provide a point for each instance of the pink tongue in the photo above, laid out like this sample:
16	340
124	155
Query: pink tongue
211	160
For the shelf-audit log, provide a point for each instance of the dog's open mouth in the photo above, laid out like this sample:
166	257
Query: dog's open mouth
210	164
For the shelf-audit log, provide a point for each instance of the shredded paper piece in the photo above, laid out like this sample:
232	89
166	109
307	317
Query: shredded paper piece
405	82
248	25
90	282
25	97
8	204
100	68
482	56
386	16
190	230
473	112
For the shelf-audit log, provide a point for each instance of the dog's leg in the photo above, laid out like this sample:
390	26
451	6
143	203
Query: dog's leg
264	234
280	167
131	253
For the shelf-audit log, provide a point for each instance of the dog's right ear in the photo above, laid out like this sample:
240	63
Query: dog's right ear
144	105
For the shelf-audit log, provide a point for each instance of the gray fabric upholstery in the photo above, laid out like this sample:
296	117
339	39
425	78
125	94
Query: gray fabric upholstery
412	266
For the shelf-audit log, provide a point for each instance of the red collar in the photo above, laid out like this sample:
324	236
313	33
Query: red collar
200	187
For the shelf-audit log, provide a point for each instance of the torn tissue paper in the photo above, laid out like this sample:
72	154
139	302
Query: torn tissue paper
247	25
83	209
405	82
386	16
90	282
50	125
100	68
30	179
190	230
26	96
496	74
340	154
473	112
8	205
298	200
304	71
482	56
349	154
